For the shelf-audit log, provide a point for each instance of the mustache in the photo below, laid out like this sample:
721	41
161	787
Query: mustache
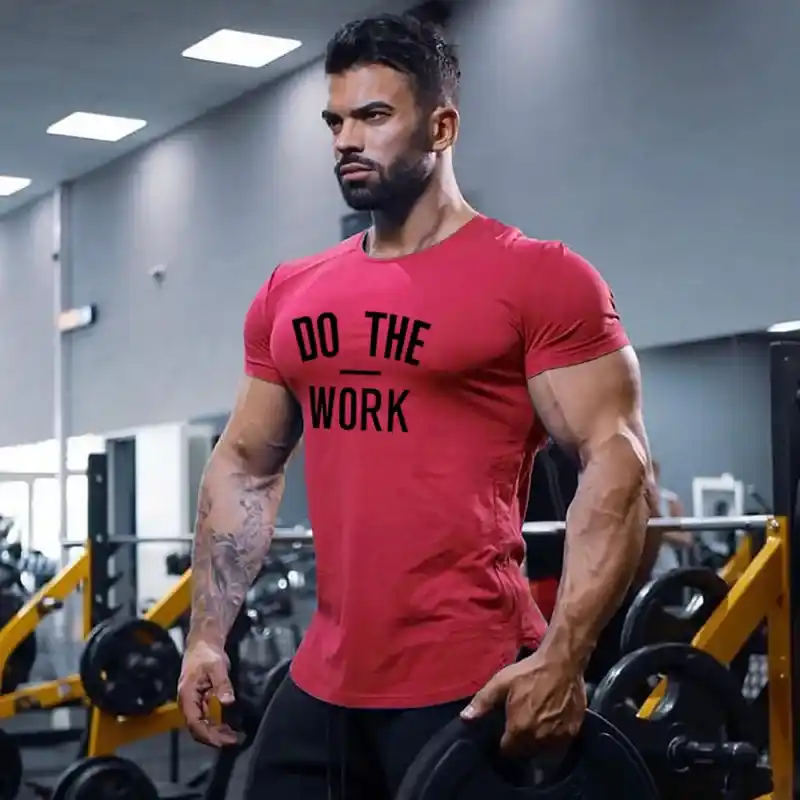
348	161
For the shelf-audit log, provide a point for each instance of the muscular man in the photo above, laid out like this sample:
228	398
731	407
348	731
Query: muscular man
424	361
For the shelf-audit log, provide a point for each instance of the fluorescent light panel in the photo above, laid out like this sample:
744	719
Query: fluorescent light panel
98	127
785	327
241	49
10	185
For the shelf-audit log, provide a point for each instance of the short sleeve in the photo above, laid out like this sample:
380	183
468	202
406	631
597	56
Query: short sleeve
568	312
258	325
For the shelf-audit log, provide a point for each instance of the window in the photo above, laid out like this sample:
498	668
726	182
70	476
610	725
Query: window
42	457
79	448
44	525
44	531
77	507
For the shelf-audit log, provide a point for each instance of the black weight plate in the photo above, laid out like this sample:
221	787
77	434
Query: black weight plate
703	702
130	667
650	621
104	778
462	762
19	663
71	774
10	767
87	654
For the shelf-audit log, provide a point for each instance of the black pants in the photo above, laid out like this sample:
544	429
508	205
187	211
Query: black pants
309	750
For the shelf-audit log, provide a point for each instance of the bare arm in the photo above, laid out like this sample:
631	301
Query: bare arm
240	492
594	408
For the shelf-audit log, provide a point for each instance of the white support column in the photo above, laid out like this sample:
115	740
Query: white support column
162	503
60	280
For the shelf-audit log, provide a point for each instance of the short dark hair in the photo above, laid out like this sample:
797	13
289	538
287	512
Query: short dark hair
405	43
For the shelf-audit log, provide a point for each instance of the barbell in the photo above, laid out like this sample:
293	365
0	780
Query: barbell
743	523
306	535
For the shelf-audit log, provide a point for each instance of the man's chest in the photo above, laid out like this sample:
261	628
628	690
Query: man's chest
393	325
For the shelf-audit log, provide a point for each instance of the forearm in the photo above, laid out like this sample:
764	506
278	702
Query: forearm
236	515
606	529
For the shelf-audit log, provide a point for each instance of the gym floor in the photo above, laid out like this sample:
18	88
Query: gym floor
46	763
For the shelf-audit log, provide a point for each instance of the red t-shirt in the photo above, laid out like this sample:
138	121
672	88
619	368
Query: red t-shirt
419	439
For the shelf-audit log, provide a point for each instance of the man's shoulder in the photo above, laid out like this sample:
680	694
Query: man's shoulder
287	270
520	247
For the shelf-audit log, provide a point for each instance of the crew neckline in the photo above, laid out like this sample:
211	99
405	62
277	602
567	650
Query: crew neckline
466	233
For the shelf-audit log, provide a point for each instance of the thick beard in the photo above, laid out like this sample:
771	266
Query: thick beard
396	190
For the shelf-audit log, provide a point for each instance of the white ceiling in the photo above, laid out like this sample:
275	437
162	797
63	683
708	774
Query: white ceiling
123	57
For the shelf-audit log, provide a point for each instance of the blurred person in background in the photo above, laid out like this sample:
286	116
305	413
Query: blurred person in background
672	542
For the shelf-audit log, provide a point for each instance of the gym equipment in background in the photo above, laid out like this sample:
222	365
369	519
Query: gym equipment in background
698	739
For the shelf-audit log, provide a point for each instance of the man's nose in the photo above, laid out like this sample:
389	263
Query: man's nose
349	139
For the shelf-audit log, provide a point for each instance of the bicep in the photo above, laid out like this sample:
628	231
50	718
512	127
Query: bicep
264	429
589	404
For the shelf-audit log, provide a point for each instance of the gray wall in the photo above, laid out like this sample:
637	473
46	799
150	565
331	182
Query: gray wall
26	327
660	139
707	410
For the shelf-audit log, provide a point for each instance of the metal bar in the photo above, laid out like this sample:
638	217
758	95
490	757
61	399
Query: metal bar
785	424
112	540
293	536
281	535
670	524
97	536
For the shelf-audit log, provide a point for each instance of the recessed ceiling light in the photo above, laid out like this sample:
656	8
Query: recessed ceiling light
241	49
99	127
785	327
10	185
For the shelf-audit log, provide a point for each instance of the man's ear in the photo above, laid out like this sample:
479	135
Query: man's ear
444	128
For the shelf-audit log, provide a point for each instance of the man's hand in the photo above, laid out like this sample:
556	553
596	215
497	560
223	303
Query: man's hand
545	702
204	675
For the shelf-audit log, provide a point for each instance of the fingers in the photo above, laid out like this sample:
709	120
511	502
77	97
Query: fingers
195	707
548	733
221	685
209	733
491	696
194	694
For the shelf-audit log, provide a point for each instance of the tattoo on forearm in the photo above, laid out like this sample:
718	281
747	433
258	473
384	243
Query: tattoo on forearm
232	537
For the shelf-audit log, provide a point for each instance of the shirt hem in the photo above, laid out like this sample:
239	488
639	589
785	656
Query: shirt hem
265	374
461	691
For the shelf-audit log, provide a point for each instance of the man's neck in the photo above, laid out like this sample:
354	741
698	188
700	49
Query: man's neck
439	213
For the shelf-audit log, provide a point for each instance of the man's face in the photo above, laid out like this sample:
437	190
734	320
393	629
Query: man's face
381	140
